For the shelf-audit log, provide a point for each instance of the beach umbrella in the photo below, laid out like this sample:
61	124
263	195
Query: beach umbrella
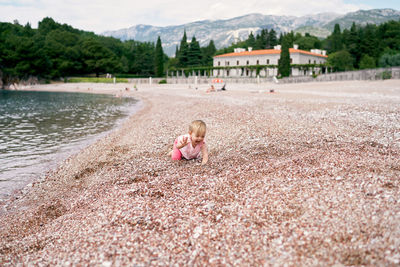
217	81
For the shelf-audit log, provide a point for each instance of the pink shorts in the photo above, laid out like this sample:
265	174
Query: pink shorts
176	153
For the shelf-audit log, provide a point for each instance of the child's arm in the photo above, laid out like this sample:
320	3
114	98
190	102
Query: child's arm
204	153
183	143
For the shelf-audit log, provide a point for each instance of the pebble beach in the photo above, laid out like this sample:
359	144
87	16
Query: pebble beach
298	175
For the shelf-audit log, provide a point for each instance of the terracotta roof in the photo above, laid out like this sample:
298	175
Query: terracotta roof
269	52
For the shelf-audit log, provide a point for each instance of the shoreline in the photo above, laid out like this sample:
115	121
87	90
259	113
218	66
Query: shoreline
63	154
304	175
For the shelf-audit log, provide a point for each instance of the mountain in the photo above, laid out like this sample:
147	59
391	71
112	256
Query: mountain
225	32
373	16
361	17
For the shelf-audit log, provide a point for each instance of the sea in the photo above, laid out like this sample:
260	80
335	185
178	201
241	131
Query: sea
40	129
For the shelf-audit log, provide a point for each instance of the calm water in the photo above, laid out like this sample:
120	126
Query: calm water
38	129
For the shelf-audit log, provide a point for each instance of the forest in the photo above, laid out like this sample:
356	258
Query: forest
360	47
54	51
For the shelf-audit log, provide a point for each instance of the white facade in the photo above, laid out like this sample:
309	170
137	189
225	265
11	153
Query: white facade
239	62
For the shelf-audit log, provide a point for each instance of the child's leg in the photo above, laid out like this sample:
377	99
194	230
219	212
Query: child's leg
176	154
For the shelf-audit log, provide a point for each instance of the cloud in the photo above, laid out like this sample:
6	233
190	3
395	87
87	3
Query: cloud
102	15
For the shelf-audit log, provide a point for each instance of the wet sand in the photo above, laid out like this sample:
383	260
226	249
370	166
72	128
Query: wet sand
307	175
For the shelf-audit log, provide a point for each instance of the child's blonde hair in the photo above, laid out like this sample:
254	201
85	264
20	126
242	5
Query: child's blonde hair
198	127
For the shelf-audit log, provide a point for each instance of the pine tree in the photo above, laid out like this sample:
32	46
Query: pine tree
183	52
369	44
159	59
284	61
272	39
261	39
251	41
336	39
351	40
258	43
207	54
280	39
194	54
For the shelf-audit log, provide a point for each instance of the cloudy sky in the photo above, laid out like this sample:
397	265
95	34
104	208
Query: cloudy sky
101	15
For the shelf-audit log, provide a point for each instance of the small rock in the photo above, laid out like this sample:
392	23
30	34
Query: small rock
197	232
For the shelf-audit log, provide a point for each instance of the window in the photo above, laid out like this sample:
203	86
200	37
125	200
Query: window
267	61
315	62
309	61
219	63
227	73
258	62
227	63
291	60
247	62
237	62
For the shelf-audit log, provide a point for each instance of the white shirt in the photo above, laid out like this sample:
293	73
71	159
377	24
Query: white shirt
188	151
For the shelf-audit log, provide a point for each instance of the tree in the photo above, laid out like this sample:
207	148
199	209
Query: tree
335	40
58	50
389	59
159	59
352	43
97	58
194	54
272	39
172	63
284	61
207	54
308	42
141	58
251	41
369	44
367	62
262	39
389	35
183	55
47	25
341	61
58	44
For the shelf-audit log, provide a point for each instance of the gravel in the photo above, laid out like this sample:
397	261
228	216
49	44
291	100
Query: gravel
306	175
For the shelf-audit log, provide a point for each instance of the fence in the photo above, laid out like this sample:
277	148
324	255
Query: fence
362	75
371	74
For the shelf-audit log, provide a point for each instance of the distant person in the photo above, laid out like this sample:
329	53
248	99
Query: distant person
223	88
211	89
191	145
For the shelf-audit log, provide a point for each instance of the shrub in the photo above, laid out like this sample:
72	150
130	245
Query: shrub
95	80
386	75
367	62
389	60
164	81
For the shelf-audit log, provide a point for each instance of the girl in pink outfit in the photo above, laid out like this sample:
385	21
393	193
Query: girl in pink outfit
191	145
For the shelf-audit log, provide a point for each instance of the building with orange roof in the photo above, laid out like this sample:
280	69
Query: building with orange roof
250	63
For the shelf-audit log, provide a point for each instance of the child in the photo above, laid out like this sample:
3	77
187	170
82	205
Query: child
190	145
